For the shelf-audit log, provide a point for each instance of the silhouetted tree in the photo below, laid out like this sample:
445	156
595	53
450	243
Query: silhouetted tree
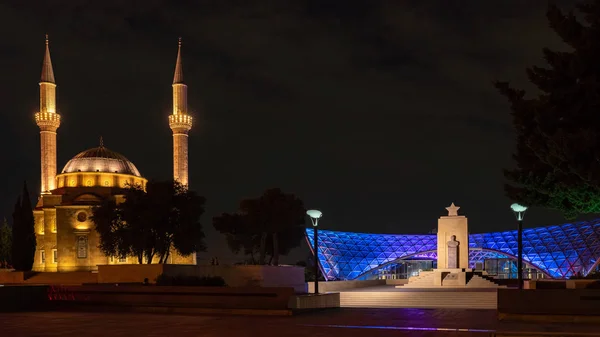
270	224
23	233
5	244
309	269
240	237
558	131
151	222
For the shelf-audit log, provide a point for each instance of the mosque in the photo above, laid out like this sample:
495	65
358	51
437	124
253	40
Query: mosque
66	239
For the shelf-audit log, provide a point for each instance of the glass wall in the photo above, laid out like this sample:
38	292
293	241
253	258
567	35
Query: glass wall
401	270
507	269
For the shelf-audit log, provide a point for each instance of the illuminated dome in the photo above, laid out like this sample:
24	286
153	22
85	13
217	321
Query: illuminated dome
101	159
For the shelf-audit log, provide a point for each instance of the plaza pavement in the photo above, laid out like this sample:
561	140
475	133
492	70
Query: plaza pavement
340	322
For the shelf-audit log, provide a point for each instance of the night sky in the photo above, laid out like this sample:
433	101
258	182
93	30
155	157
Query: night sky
379	113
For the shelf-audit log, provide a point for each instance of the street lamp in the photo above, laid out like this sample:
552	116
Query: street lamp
519	211
315	215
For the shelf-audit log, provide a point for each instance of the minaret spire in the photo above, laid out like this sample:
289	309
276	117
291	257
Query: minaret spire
181	123
178	77
47	71
48	120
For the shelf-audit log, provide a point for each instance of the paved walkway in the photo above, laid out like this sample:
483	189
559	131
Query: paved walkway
343	322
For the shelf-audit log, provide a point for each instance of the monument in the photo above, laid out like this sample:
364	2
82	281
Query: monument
452	249
452	258
453	238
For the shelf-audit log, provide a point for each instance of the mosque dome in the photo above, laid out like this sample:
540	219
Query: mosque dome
101	159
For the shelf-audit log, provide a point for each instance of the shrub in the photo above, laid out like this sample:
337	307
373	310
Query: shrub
190	281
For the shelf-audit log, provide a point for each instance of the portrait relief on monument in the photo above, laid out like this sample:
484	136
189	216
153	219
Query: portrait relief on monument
453	252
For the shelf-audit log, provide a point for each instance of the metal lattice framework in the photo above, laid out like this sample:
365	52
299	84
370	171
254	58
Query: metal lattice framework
558	251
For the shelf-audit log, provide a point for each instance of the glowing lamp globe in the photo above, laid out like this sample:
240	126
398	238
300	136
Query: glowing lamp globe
518	208
313	213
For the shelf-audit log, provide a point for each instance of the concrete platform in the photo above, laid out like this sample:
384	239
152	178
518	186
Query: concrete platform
426	298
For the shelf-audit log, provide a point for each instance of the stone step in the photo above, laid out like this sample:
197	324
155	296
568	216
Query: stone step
426	281
421	281
415	299
478	281
64	278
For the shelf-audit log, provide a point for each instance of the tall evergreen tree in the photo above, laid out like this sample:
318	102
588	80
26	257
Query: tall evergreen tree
28	226
16	255
5	244
558	131
24	241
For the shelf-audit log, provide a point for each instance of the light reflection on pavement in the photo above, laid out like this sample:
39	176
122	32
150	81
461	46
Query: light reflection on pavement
346	322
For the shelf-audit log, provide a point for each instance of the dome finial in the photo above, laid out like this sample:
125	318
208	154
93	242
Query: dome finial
47	40
101	142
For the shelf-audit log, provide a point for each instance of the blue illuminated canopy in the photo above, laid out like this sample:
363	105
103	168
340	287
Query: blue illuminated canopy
558	251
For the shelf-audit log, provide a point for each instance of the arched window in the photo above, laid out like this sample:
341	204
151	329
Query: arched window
82	247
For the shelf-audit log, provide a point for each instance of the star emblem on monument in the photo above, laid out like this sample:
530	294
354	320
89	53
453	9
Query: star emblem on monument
453	210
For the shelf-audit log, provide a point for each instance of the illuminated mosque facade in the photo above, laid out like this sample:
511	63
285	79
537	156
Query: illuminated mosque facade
66	239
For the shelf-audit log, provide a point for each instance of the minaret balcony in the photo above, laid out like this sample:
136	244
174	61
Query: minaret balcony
47	120
180	122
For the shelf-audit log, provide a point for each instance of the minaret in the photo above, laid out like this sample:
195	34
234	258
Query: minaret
48	120
181	123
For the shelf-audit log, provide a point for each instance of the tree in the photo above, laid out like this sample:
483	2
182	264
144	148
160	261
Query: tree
151	222
5	244
23	233
558	132
270	224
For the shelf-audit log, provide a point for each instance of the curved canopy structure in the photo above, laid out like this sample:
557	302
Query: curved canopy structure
558	251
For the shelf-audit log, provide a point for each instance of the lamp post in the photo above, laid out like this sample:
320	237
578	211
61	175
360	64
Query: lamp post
315	215
519	211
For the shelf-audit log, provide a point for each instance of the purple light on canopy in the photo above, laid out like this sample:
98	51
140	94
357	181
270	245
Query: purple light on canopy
558	251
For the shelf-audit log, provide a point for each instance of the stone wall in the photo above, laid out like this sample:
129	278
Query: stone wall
549	302
234	276
33	298
176	297
335	286
8	276
557	284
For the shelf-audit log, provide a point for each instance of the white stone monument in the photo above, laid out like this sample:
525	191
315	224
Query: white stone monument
452	249
452	258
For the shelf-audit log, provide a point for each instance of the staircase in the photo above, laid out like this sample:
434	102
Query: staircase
480	281
420	299
423	280
475	280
